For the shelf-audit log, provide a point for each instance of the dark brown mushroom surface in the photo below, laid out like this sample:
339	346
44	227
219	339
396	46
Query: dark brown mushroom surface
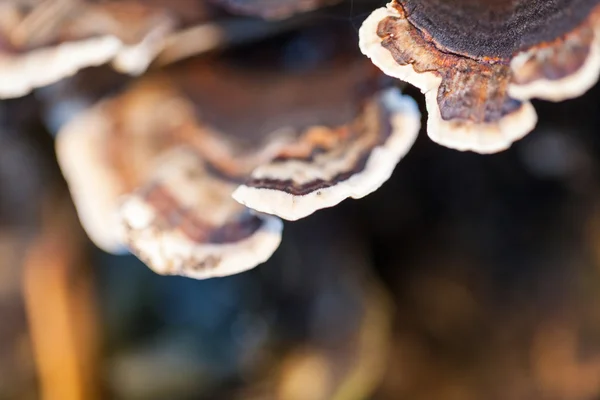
495	28
480	61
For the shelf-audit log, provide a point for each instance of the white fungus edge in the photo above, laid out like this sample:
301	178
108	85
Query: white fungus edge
405	121
464	135
21	73
168	252
93	187
565	88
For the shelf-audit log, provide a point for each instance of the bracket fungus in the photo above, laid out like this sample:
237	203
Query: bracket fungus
334	133
479	62
139	175
154	168
328	165
184	222
43	41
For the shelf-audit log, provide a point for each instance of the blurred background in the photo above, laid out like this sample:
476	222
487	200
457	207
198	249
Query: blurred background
464	277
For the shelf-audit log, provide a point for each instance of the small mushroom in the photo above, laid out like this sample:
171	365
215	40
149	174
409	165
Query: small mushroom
480	62
327	165
42	42
140	174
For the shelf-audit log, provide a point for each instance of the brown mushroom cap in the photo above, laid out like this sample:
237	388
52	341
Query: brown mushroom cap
183	221
138	172
42	42
328	165
332	145
561	69
479	62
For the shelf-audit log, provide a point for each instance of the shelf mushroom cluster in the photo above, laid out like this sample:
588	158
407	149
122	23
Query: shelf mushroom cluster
480	62
44	41
192	166
154	169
